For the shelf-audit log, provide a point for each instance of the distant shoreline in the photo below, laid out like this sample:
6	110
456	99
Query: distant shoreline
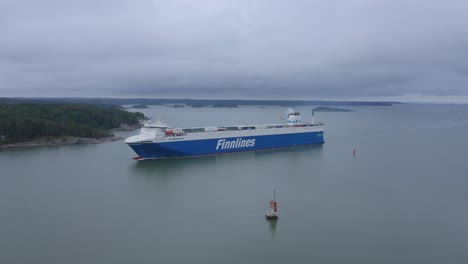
180	102
330	109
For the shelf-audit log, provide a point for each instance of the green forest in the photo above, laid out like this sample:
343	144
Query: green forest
23	122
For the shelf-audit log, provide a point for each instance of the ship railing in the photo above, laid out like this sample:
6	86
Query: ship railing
184	131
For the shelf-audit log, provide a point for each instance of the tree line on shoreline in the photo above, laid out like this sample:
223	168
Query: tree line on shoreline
24	122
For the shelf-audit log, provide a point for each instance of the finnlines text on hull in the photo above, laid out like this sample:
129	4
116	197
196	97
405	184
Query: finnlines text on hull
238	143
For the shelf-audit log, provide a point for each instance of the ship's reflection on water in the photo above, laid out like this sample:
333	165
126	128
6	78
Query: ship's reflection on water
272	223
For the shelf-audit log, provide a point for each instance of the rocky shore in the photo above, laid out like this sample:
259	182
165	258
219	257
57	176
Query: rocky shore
52	141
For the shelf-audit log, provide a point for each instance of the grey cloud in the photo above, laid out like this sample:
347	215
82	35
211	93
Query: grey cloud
234	49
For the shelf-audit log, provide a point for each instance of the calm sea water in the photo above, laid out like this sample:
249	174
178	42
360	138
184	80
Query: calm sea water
401	199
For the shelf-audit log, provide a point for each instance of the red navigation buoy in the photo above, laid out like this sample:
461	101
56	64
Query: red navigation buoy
272	213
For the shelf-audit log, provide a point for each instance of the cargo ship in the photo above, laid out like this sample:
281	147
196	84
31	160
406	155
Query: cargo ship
156	140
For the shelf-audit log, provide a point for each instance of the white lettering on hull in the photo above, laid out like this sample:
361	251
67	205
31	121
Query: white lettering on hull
238	143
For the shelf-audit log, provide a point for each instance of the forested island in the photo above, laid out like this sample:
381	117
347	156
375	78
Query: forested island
139	106
227	105
51	124
330	109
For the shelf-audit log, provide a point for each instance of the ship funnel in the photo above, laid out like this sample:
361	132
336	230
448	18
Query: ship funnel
313	118
294	118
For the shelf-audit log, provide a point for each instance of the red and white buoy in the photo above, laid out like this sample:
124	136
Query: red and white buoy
272	213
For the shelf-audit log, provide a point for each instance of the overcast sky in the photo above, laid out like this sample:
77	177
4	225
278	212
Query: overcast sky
266	49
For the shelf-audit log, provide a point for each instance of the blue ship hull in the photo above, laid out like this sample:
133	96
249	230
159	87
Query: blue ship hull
203	147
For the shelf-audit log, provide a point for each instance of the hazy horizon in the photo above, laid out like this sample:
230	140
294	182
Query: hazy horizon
402	99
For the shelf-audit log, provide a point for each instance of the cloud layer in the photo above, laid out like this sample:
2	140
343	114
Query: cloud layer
233	49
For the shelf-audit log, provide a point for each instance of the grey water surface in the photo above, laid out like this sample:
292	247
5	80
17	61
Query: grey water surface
401	199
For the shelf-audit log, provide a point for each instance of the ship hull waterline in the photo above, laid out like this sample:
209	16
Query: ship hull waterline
218	146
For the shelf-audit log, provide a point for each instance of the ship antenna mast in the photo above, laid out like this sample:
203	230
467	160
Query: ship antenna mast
313	119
